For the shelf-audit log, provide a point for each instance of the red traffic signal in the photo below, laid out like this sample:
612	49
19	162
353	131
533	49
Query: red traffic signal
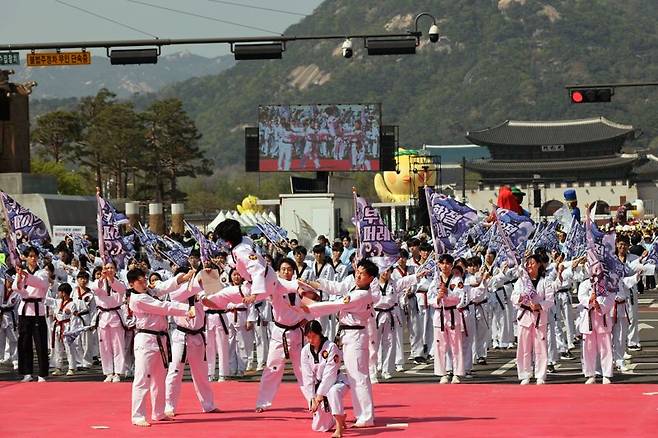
591	95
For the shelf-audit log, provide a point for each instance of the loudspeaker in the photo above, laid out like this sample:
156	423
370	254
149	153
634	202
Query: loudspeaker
422	215
5	103
536	198
388	142
251	150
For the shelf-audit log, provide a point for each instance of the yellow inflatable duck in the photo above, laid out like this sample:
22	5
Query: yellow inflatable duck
396	187
249	205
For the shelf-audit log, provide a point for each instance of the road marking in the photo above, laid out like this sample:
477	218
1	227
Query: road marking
417	368
650	393
504	368
645	300
397	425
654	305
642	326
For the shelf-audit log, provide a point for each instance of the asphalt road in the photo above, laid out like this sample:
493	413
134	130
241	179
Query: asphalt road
500	368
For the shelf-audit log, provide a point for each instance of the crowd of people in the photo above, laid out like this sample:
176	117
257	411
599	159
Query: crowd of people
254	307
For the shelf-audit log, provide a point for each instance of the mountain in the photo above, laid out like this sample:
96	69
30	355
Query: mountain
496	60
124	80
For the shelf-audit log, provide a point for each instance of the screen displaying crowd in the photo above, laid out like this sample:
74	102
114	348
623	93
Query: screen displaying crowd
319	137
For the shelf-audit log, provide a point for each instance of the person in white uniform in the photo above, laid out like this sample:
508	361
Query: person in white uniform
152	349
532	297
323	384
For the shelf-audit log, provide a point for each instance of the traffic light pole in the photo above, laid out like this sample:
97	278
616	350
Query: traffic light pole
613	85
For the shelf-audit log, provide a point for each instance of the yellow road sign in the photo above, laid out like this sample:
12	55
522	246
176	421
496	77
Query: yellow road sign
46	59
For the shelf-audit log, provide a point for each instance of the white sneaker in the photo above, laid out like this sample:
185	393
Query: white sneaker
455	379
606	381
386	376
525	381
444	380
116	378
627	356
40	379
221	379
399	368
590	381
624	368
374	380
541	381
108	378
27	378
70	373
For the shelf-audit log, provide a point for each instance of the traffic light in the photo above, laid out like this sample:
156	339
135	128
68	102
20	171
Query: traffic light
591	95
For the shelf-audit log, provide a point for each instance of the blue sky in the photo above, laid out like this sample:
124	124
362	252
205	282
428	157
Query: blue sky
31	21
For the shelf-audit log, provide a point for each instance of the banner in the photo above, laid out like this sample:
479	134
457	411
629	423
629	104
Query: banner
61	231
22	226
207	248
376	242
110	240
605	268
449	220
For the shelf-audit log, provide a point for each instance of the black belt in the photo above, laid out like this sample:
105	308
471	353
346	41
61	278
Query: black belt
342	328
284	339
34	301
589	316
81	314
9	310
221	318
235	313
529	309
166	355
380	311
452	316
110	309
502	306
325	401
565	289
187	331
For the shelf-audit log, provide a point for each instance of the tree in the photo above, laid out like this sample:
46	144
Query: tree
173	150
56	133
117	135
69	182
85	153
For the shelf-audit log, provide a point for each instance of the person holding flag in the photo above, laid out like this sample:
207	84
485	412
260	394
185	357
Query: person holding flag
532	297
595	324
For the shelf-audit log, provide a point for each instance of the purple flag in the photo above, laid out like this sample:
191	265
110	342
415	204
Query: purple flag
376	242
22	225
110	241
449	220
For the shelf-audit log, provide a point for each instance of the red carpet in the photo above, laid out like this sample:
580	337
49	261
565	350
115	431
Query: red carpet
422	410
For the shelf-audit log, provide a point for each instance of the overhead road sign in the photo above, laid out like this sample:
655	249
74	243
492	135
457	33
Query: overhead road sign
49	59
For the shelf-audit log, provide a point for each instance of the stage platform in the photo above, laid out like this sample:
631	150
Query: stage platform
90	409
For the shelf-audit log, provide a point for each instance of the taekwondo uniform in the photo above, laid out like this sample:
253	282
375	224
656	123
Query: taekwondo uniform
596	328
216	327
65	321
502	325
621	317
471	303
479	307
9	300
406	301
321	376
260	315
448	323
325	272
354	311
32	321
532	343
188	344
387	318
239	338
152	349
109	325
86	309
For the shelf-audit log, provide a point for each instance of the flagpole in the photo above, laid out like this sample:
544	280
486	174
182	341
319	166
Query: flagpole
99	224
428	201
358	235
